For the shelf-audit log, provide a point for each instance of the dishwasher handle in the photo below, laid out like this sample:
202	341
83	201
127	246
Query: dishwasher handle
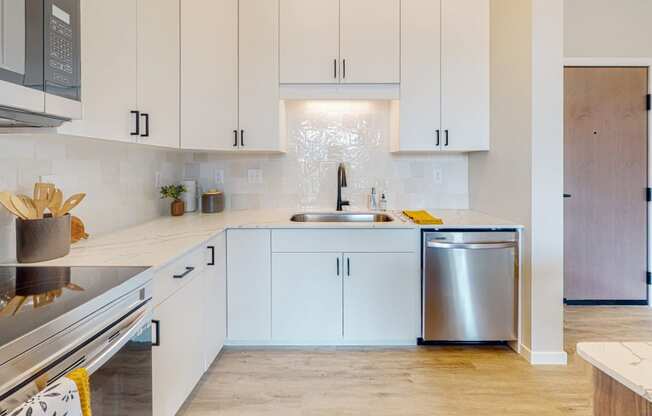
490	245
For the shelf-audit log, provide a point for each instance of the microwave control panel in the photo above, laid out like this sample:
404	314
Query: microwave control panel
62	48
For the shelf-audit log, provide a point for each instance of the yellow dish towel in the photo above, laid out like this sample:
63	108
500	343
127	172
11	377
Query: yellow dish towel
423	218
82	380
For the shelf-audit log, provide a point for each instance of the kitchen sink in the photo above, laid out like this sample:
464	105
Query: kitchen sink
341	217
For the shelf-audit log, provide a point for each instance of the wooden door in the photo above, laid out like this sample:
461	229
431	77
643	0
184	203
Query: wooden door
420	75
109	86
209	74
158	71
381	297
306	297
259	96
606	177
465	74
370	41
309	41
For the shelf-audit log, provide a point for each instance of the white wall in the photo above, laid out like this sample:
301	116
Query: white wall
119	179
321	134
608	28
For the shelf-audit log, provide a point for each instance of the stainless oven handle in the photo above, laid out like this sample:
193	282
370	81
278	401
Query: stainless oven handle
116	345
472	246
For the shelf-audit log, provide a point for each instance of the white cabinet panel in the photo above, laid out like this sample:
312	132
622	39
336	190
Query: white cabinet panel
370	41
178	363
109	86
259	79
209	74
420	106
158	71
249	285
215	299
309	41
306	297
465	74
381	297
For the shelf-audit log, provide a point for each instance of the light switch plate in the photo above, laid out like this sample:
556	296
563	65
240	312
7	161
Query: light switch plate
255	176
157	180
219	176
438	176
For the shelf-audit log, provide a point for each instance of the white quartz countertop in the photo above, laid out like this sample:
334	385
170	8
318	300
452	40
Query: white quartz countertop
163	240
629	363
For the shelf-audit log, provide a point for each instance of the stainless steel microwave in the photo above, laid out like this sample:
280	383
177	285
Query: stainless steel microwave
40	62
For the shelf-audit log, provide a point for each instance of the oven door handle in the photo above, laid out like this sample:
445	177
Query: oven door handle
472	246
117	343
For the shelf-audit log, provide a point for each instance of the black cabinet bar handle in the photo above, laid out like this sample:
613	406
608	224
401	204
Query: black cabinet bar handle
235	138
242	138
568	196
137	115
212	262
146	117
348	266
438	137
446	139
335	68
157	332
184	274
338	266
343	68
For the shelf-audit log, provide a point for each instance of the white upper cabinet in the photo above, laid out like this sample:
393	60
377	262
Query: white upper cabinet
259	100
420	106
340	41
309	41
370	41
444	104
209	74
158	72
465	74
109	86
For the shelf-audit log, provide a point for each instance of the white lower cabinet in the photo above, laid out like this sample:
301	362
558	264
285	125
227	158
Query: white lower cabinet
215	299
381	297
306	297
177	362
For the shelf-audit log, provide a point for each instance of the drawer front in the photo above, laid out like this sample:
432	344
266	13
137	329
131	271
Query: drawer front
185	269
355	240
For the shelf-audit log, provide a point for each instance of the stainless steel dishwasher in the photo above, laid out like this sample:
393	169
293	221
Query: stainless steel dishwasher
470	285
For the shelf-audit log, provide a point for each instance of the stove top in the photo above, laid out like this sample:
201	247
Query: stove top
31	297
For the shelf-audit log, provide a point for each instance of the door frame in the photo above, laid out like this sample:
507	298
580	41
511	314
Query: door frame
629	62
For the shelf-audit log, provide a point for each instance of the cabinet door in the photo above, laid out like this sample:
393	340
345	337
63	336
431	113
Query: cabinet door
370	41
259	82
420	121
158	71
215	299
249	285
109	85
309	41
465	74
209	74
306	297
381	297
178	362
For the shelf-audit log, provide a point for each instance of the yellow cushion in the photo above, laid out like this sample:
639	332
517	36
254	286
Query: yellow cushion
82	380
423	218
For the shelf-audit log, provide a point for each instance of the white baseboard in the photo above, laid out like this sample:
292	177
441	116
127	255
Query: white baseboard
318	344
544	358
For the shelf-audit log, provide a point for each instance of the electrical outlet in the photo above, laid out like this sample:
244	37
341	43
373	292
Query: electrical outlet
438	176
157	180
219	176
255	176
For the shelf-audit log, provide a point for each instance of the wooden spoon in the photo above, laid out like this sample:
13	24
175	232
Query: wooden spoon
20	206
71	203
5	200
43	193
29	203
56	202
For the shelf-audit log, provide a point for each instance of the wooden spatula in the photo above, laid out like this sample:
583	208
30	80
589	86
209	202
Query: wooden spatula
71	203
29	203
43	193
20	206
56	202
5	200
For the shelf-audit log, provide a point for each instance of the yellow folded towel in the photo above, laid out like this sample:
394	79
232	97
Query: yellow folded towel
82	380
423	218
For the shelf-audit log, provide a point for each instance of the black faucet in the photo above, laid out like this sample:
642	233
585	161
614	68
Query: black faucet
341	183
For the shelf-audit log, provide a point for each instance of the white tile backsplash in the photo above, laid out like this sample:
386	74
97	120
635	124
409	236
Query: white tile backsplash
321	134
118	178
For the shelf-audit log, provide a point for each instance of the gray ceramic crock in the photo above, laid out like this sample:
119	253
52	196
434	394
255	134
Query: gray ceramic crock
42	240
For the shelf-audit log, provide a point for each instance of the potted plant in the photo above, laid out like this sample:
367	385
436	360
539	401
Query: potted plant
174	192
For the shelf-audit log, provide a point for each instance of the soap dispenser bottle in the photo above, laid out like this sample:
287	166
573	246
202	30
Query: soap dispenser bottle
383	202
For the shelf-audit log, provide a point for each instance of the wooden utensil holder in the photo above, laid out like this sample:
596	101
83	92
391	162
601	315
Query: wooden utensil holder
43	239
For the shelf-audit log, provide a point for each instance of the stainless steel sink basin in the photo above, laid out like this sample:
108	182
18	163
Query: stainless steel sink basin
341	217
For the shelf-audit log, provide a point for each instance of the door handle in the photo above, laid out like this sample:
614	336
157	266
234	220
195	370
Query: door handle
446	138
242	138
472	246
146	117
212	262
184	274
343	68
338	266
348	266
137	116
335	68
568	196
438	137
235	138
157	332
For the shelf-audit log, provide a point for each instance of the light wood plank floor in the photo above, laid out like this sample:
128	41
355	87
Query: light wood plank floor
412	381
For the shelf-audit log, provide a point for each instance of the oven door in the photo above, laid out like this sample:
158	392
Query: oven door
22	55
